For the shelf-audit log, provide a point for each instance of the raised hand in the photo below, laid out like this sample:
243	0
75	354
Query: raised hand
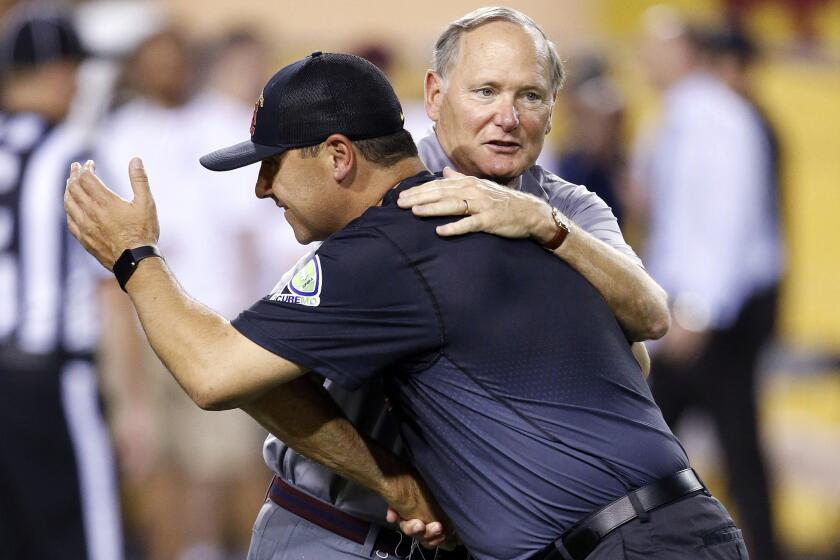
103	222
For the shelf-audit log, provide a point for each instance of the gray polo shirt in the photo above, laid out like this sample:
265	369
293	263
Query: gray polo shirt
366	406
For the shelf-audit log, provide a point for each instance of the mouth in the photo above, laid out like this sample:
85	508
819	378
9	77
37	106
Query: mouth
503	146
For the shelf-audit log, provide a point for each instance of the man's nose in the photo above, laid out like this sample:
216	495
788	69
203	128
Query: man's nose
263	186
507	116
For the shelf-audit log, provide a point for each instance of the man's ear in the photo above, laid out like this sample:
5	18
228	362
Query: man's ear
550	114
433	94
341	158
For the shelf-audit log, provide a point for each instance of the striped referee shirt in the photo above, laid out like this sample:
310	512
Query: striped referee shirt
47	281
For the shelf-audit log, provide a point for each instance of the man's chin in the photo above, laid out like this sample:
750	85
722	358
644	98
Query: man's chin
503	170
502	175
303	237
307	237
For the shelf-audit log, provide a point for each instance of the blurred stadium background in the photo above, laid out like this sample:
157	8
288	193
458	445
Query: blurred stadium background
798	85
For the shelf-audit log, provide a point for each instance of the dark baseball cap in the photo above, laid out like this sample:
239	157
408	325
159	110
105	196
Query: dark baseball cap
30	38
307	101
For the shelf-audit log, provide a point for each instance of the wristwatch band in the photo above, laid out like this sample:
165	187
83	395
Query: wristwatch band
561	233
127	263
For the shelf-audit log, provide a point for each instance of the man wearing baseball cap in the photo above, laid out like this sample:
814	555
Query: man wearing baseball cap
469	130
58	496
526	426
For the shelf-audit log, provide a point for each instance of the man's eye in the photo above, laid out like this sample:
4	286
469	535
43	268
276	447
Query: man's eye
484	92
533	96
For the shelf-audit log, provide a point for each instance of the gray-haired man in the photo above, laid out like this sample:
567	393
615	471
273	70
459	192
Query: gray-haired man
490	93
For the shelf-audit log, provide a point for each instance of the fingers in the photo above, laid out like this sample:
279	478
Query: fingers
434	533
460	227
414	528
449	173
458	186
139	181
75	169
73	192
74	228
449	206
429	535
430	192
432	537
75	214
92	185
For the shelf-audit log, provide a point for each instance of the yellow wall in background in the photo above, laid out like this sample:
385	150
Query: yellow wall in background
804	100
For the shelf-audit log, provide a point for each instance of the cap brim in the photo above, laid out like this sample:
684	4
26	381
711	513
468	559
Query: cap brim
238	155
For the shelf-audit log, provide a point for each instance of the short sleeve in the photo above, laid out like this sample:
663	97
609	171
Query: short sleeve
354	310
582	206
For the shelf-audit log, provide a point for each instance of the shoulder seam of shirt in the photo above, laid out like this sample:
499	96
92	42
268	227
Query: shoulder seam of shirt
426	287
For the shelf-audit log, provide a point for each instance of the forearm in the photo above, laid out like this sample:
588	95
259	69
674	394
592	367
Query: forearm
639	304
197	345
304	416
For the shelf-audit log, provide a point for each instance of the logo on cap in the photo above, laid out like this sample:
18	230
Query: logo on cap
259	103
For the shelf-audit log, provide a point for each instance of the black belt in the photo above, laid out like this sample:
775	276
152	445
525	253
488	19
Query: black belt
582	538
389	542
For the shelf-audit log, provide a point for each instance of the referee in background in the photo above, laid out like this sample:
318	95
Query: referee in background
57	486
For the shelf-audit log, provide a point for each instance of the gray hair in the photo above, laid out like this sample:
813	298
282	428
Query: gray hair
446	47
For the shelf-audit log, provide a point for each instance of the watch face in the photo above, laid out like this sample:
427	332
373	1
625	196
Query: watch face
559	219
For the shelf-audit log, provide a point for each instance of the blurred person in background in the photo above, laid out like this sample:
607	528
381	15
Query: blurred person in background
803	15
58	495
417	123
232	78
714	245
200	478
594	154
732	55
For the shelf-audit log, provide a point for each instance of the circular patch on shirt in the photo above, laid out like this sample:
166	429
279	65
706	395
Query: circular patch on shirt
305	286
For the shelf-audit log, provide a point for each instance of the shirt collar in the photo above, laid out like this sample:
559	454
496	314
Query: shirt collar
424	176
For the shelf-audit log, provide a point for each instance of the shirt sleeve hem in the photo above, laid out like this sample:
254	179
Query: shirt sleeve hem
253	333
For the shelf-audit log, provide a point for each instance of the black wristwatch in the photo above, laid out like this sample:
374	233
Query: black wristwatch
127	263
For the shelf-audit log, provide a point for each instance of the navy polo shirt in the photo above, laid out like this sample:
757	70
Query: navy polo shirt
515	388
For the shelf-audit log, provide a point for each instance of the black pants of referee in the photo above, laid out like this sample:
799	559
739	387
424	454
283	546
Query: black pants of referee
57	483
722	383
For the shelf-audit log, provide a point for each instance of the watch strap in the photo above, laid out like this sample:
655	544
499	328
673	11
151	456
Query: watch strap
561	233
128	261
